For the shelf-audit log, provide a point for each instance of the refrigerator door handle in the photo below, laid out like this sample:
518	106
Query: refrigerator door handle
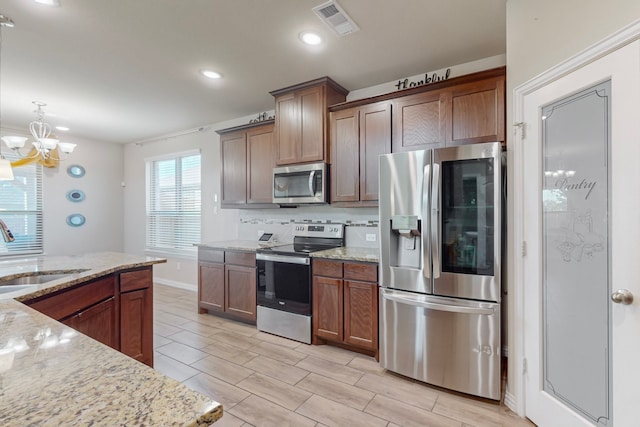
439	307
426	251
435	219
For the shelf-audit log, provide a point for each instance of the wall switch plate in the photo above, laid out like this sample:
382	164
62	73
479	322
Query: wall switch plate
371	237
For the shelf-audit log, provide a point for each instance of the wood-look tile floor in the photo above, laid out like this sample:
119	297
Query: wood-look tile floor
265	380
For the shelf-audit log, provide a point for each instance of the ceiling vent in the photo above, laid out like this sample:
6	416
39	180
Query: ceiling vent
336	18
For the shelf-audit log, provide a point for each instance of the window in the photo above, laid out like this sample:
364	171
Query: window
21	210
173	204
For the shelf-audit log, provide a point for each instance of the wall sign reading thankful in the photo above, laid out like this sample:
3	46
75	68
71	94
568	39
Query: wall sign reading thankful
428	79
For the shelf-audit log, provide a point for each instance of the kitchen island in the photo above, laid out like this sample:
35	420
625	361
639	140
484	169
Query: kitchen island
51	374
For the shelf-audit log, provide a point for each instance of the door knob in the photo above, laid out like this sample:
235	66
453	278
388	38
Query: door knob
622	296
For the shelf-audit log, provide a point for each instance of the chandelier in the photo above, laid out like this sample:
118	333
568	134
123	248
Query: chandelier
45	147
47	150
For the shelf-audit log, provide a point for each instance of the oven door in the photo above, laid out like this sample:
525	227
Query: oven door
284	283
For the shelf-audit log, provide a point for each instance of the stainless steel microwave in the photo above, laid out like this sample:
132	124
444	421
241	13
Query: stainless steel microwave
300	184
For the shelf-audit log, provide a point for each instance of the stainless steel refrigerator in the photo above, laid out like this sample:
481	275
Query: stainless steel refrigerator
440	262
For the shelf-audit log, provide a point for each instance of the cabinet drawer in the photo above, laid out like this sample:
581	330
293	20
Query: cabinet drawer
74	300
364	272
133	280
247	259
211	255
327	268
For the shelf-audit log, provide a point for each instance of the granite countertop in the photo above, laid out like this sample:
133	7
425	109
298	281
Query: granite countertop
80	268
239	245
52	375
347	253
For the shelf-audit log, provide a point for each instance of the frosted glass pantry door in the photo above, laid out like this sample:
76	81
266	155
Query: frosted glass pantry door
580	216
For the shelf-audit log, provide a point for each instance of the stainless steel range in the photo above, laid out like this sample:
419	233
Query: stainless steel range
284	280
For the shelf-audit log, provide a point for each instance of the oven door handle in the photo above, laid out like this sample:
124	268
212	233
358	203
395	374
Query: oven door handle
283	258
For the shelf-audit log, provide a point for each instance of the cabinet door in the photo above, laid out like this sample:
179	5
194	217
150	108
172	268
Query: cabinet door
287	129
312	124
419	121
98	322
260	163
234	168
345	156
240	292
327	308
477	112
361	314
136	325
211	286
375	139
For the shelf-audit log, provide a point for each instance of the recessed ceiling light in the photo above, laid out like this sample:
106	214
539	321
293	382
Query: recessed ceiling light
310	38
48	2
63	128
210	74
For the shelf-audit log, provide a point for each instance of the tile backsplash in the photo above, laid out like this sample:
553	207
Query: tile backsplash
361	224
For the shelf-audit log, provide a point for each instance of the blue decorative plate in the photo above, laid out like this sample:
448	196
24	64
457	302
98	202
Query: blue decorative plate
75	195
76	220
76	171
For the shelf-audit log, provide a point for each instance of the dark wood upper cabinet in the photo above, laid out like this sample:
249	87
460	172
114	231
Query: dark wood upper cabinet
464	110
302	124
358	136
477	112
234	168
419	121
248	159
260	164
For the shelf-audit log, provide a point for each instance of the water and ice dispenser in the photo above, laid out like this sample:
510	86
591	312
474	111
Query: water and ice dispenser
405	241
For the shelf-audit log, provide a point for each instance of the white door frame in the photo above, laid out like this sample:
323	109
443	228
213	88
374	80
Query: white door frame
515	397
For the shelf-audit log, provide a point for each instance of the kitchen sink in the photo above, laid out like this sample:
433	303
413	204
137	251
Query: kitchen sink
4	289
33	279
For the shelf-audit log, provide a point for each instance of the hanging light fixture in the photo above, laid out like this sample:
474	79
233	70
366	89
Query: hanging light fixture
46	148
6	172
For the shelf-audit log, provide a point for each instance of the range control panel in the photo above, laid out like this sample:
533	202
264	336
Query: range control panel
319	230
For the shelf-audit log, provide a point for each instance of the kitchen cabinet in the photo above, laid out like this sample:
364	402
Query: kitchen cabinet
345	304
227	283
136	314
466	113
116	310
248	159
302	122
358	136
90	308
420	121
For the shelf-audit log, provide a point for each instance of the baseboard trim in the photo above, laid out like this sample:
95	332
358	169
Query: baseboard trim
176	284
510	401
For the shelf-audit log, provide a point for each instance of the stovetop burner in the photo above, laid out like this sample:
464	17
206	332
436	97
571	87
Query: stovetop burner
310	238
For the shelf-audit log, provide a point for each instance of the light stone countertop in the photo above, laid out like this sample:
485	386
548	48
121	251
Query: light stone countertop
239	245
347	253
52	375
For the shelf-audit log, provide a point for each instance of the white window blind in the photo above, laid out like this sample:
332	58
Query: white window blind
21	210
173	204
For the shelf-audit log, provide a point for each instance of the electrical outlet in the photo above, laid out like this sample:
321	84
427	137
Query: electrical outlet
371	237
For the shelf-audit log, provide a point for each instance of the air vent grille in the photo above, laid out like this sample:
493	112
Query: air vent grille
336	18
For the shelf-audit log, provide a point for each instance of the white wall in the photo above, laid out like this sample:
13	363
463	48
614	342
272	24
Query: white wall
541	34
217	224
102	206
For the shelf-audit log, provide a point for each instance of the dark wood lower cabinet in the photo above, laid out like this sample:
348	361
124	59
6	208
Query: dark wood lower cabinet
98	321
116	310
227	283
345	305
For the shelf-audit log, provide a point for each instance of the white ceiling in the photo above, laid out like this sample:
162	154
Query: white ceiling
127	70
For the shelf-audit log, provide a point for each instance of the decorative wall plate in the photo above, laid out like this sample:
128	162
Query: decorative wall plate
75	195
76	220
76	171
